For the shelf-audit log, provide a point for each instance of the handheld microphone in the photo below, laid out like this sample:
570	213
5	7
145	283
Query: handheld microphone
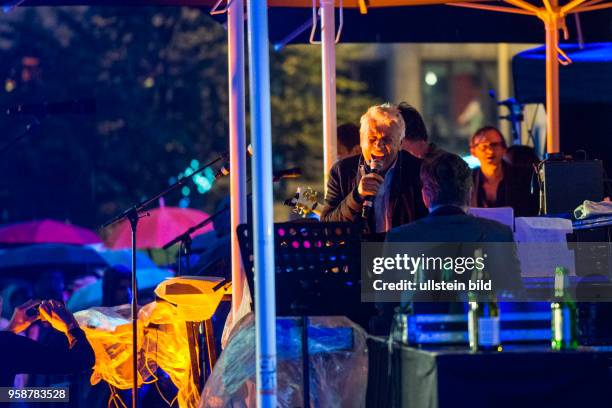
368	201
76	106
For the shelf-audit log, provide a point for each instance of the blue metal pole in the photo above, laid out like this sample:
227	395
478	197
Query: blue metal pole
263	221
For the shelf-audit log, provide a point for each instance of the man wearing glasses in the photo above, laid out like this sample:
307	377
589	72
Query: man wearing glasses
497	183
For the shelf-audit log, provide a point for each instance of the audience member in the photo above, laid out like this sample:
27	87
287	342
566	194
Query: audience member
20	354
497	183
348	140
415	137
116	286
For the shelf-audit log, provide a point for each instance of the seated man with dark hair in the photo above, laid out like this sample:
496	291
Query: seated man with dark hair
447	184
497	183
446	187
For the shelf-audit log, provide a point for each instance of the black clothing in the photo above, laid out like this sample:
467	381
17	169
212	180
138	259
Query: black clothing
443	227
514	191
19	355
449	224
343	202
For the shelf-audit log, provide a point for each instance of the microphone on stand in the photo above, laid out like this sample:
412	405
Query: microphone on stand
368	201
225	169
293	172
76	106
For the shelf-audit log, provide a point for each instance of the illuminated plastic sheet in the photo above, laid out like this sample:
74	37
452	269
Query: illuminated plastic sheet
162	342
338	361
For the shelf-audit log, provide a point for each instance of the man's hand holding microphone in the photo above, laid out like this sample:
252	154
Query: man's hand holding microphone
369	185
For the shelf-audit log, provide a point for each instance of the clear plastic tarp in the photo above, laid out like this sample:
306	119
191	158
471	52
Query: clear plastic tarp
338	365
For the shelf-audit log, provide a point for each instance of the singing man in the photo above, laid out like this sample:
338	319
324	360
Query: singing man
384	179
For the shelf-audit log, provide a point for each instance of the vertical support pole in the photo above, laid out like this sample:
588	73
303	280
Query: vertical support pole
503	86
552	84
263	222
238	209
133	218
328	68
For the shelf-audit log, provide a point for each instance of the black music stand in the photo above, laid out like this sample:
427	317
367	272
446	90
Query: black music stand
316	273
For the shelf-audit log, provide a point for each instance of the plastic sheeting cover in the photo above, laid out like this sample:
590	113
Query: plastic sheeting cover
338	361
162	342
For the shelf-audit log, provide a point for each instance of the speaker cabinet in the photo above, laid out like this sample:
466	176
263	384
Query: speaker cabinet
566	184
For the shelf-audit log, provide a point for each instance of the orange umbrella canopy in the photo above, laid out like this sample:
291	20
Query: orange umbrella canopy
160	227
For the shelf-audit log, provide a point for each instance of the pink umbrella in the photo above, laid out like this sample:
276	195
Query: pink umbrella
163	224
47	231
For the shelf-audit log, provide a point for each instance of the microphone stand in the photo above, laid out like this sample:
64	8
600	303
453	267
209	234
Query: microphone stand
185	248
30	128
185	238
132	214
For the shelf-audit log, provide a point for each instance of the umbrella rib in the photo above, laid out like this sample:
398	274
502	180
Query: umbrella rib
492	8
524	5
591	8
571	5
591	3
549	8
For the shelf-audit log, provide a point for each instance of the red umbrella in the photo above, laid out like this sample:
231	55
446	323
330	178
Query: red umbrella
46	231
162	225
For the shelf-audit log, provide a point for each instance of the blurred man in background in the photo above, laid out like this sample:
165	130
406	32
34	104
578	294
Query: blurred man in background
348	140
415	139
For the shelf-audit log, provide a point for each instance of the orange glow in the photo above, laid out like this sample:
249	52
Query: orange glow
162	336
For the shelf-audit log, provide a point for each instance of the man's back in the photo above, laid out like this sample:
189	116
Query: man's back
451	225
456	233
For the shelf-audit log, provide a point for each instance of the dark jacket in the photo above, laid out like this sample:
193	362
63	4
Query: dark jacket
20	354
451	226
343	203
513	191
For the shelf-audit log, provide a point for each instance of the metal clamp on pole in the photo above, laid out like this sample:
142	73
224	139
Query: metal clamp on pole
314	22
563	58
214	11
